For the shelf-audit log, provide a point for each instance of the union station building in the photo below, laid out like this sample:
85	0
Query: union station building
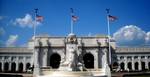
47	53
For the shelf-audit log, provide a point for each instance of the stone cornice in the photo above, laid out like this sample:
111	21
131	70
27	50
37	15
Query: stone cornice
15	50
133	50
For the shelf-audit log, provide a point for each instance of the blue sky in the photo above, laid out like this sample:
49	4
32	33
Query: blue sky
133	19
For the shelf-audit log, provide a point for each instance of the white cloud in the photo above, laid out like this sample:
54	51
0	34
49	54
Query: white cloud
26	21
2	31
147	38
130	35
12	40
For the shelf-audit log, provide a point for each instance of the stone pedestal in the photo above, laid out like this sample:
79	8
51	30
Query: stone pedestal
45	57
36	62
106	66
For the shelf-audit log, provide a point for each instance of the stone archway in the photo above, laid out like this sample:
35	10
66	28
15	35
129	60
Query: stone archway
13	67
130	66
88	60
143	65
20	67
6	67
122	66
28	66
55	60
136	66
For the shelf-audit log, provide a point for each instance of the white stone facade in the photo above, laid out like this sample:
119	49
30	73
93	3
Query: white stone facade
15	59
47	49
51	53
90	53
131	59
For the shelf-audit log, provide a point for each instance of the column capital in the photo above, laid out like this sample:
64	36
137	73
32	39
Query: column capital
105	49
146	57
45	49
132	57
37	49
139	57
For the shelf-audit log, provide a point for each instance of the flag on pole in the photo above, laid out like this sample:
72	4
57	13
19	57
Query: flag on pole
109	18
112	18
74	17
39	18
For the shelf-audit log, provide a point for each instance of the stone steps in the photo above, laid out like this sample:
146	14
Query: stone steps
72	74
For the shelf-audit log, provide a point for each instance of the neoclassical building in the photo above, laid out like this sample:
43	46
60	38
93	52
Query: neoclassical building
49	53
14	59
131	58
72	53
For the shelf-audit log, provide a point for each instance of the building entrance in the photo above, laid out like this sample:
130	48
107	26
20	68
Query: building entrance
55	60
88	59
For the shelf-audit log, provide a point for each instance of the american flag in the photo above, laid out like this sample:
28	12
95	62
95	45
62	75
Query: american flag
39	18
112	18
74	18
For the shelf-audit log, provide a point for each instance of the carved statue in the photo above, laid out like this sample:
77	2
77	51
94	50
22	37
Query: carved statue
71	61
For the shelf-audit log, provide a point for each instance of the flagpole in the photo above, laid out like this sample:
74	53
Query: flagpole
34	25
108	29
71	24
34	33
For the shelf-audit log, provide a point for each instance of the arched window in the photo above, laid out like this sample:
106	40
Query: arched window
136	65
122	66
20	67
13	67
55	60
88	59
143	65
130	66
6	67
27	66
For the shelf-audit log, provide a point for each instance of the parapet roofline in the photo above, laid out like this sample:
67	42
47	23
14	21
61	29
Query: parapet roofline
77	36
14	47
96	35
132	49
132	46
16	50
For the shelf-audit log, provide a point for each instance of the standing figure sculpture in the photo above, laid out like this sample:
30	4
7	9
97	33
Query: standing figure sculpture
71	59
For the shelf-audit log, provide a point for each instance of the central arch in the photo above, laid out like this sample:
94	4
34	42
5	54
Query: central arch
88	59
55	60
